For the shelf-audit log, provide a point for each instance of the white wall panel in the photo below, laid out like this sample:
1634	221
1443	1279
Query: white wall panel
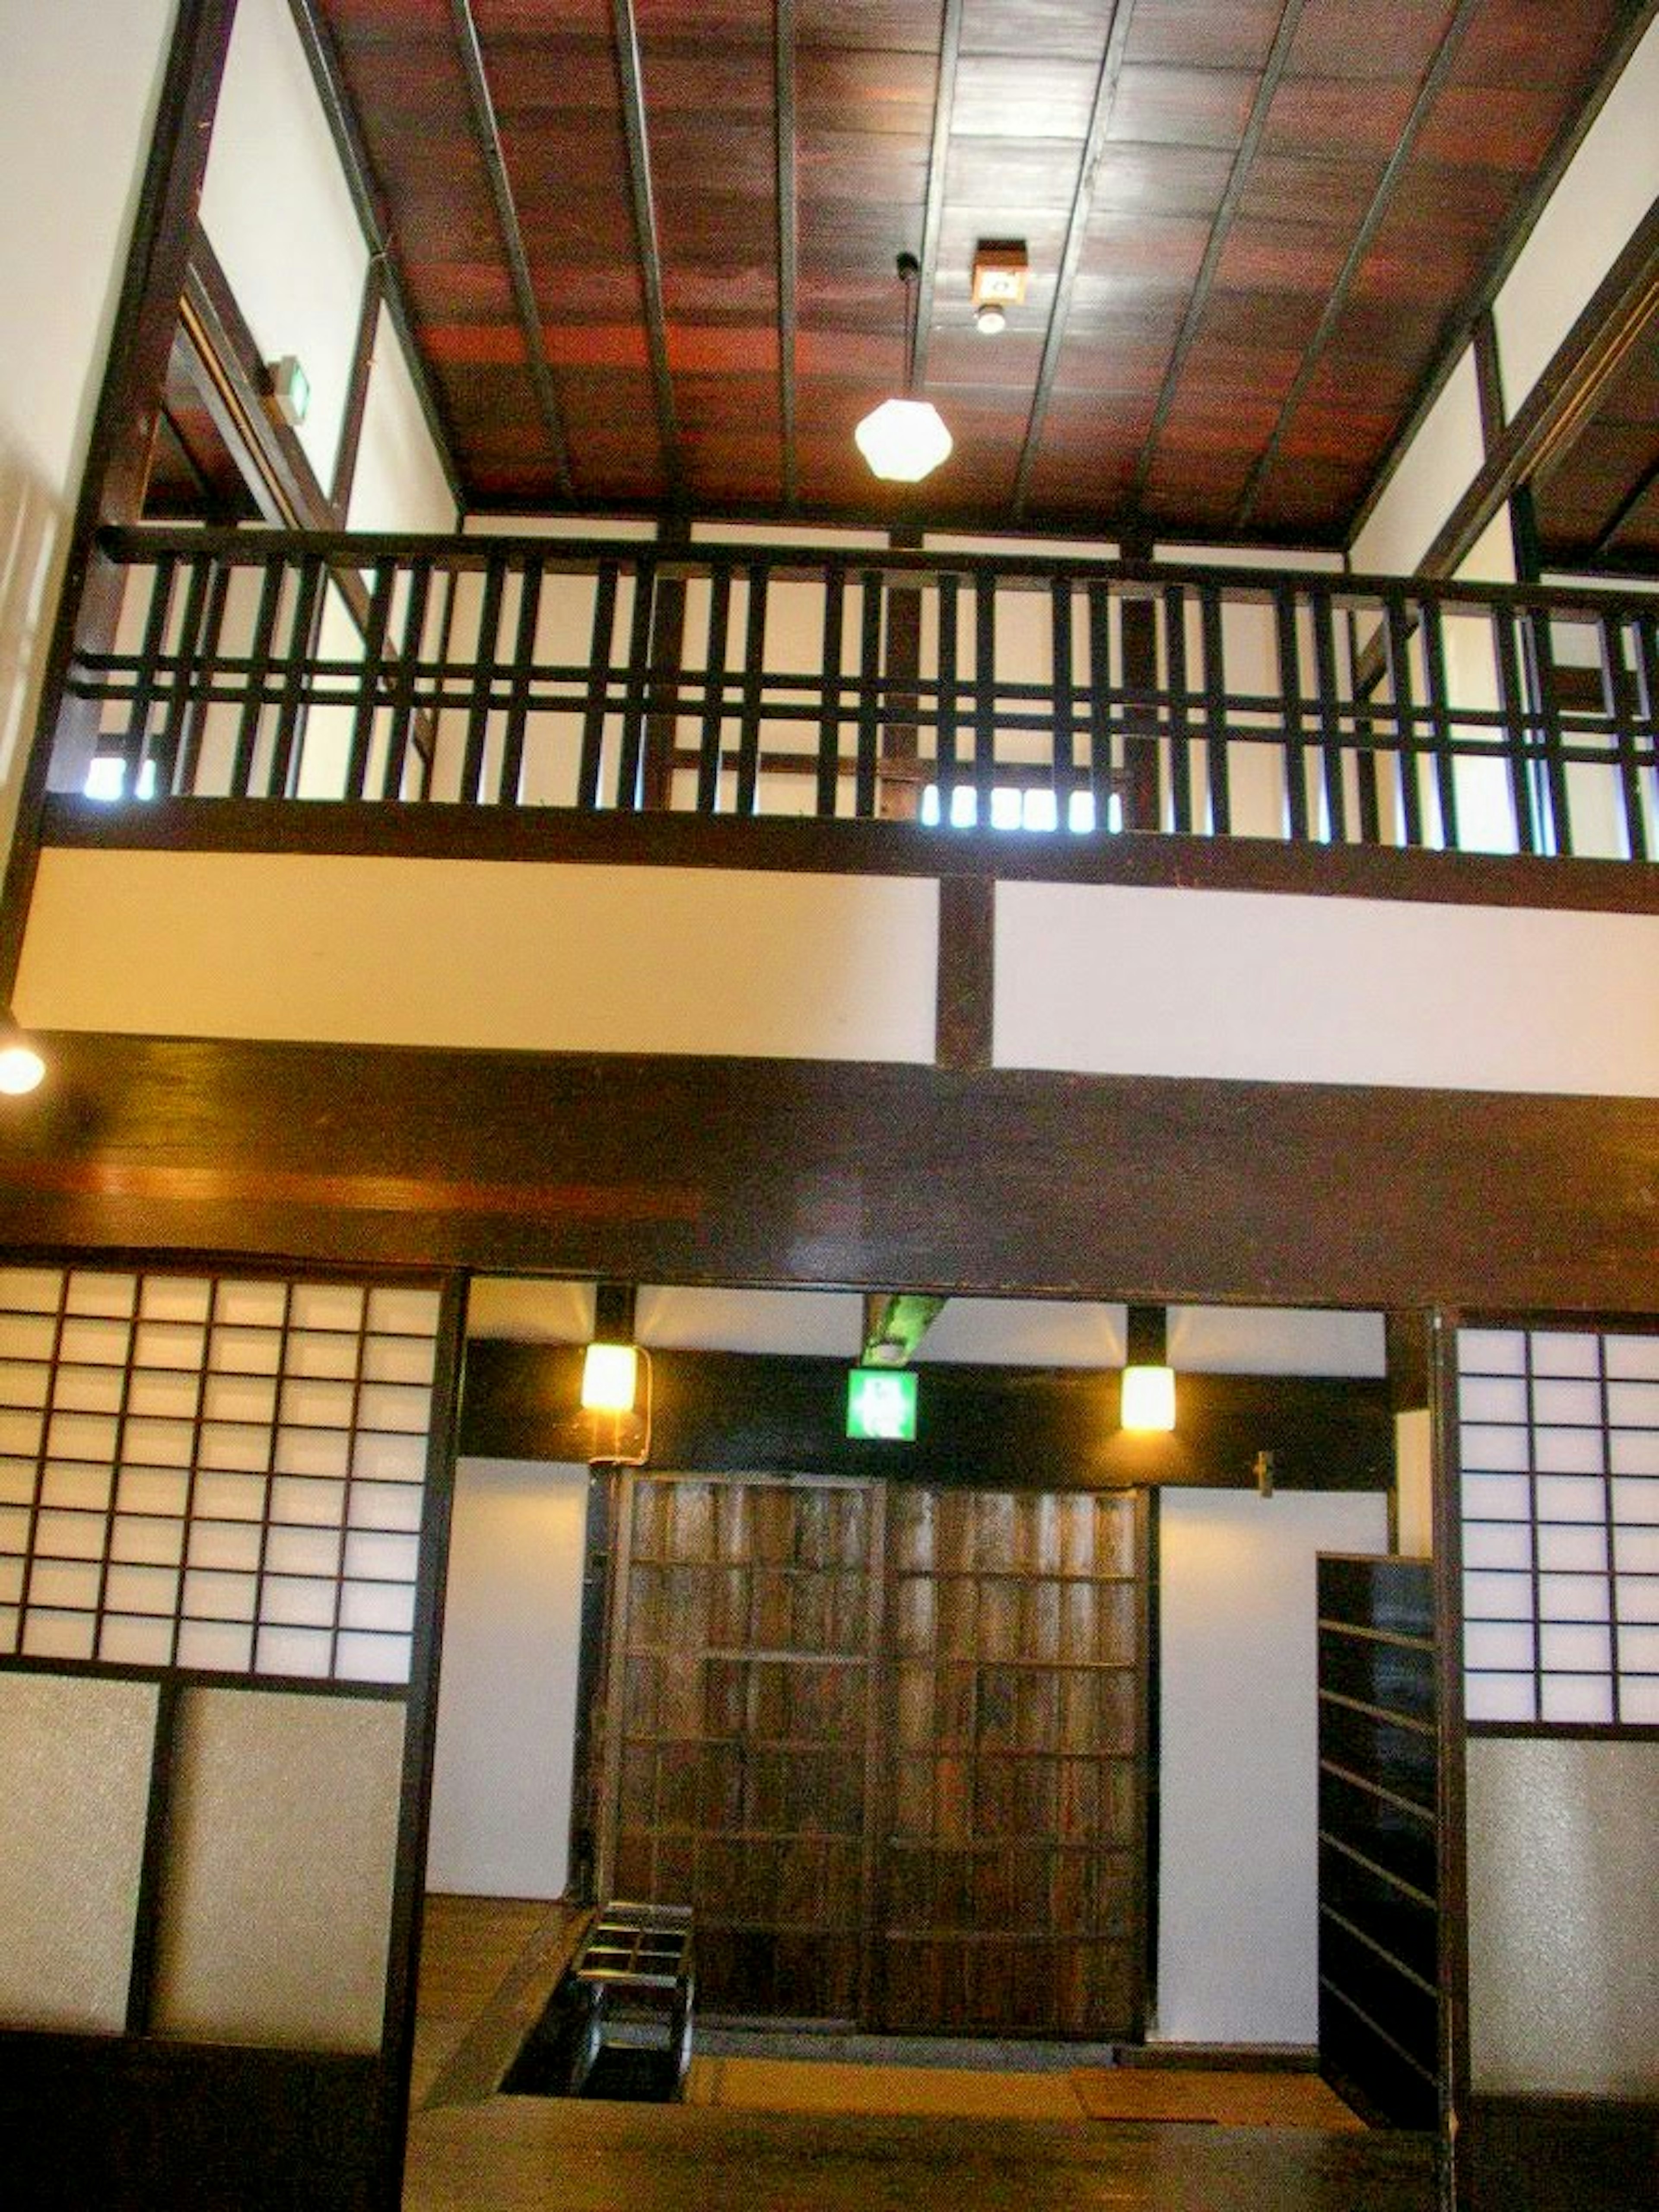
1610	184
399	483
576	959
1238	1872
1438	466
501	1790
278	212
79	81
1280	988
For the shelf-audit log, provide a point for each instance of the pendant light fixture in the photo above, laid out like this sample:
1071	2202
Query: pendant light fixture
904	440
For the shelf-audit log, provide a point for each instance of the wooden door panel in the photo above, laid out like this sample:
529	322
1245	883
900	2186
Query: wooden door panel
890	1746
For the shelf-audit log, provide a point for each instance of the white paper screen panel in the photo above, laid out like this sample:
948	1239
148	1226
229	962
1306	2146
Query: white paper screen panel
223	1472
276	1892
76	1755
1558	1446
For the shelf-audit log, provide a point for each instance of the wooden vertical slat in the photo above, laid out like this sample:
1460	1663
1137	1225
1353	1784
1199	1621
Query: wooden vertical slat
259	670
189	749
1062	766
147	677
1541	663
301	651
182	686
1440	721
985	693
1516	727
867	769
1330	712
1143	798
1180	734
630	758
518	697
1644	630
714	690
369	678
598	686
1397	654
405	678
1290	692
1102	779
1618	690
1215	709
946	766
484	663
754	680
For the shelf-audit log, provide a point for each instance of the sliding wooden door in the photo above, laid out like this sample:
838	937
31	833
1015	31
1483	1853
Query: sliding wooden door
1012	1854
740	1729
890	1742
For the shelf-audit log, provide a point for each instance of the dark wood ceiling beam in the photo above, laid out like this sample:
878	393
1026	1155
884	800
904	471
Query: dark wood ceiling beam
932	216
1100	116
329	77
1560	405
494	156
1220	230
1382	200
783	66
634	129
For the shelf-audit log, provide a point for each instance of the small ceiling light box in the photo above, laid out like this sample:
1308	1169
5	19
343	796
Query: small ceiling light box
905	439
1000	270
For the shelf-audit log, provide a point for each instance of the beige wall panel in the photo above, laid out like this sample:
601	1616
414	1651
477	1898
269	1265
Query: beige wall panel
1564	1957
76	1755
276	1901
1263	988
481	953
1435	471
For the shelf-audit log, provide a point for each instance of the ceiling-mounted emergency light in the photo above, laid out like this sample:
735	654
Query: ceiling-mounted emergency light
1000	269
905	439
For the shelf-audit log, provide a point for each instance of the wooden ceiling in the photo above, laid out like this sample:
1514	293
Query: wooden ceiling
648	247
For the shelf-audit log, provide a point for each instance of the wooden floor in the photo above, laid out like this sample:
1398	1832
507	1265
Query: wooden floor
494	2153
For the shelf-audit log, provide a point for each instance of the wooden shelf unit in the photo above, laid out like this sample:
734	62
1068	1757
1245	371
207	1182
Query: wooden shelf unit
1379	1838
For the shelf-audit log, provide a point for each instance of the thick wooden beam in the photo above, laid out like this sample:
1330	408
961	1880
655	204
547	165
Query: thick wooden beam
1020	1427
933	214
630	74
786	124
788	1173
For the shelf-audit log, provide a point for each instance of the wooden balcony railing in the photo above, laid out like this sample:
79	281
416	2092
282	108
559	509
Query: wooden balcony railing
530	672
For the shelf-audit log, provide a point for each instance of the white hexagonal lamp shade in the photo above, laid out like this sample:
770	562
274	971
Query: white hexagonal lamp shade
903	439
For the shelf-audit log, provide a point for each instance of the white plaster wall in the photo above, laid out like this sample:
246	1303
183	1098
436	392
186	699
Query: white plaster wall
1280	989
576	959
278	212
1435	470
79	81
399	483
1609	186
507	1701
1237	1857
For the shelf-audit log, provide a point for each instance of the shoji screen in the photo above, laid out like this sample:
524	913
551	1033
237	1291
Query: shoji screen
223	1497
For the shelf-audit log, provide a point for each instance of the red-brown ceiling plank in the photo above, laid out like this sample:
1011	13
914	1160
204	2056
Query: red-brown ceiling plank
1101	117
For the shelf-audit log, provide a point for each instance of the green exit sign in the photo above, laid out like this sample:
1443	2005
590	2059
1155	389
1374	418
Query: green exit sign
881	1405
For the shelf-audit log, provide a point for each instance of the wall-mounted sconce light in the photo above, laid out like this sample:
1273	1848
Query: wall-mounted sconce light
21	1067
610	1377
1149	1384
291	390
905	439
616	1385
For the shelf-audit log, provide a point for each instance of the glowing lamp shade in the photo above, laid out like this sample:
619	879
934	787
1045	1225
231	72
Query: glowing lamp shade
21	1070
609	1378
903	439
1149	1398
